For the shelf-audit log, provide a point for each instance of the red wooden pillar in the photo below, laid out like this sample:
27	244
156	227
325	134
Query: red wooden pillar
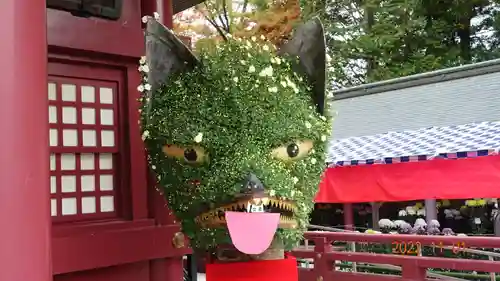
170	269
166	12
162	7
348	217
24	147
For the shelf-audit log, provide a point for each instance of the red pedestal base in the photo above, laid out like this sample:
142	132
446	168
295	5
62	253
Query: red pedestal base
269	270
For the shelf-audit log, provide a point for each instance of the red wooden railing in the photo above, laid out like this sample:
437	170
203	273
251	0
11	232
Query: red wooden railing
413	267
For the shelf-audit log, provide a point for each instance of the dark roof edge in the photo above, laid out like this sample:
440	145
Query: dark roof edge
181	5
421	79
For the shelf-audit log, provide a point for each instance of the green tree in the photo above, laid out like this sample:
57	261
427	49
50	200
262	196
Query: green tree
373	40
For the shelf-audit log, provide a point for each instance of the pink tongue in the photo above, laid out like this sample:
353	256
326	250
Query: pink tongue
252	233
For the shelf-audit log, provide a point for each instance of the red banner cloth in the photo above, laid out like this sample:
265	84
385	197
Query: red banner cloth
269	270
433	179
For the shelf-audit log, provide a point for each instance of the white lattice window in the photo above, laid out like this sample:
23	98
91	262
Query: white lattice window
83	133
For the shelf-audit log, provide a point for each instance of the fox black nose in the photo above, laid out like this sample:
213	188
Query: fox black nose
252	184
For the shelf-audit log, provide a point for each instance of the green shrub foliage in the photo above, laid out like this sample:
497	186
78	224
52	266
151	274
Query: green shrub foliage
234	108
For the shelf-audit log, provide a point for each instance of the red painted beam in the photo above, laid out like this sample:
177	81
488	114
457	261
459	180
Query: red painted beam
360	276
24	147
102	36
467	241
109	248
413	267
126	272
417	261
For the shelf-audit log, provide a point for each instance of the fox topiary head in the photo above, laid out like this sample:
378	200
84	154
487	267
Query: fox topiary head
237	135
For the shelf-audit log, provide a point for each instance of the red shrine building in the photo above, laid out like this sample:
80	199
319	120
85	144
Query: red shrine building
429	136
75	201
397	140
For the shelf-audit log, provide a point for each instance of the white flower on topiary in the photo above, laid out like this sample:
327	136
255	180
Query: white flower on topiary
198	138
268	71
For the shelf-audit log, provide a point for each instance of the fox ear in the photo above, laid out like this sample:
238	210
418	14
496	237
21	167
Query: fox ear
308	44
165	55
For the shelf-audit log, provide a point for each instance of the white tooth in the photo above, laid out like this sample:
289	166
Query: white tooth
265	200
252	208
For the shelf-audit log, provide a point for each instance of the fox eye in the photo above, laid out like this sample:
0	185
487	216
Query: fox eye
293	151
189	154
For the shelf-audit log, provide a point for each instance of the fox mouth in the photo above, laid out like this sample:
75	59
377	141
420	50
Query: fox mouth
216	217
252	217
